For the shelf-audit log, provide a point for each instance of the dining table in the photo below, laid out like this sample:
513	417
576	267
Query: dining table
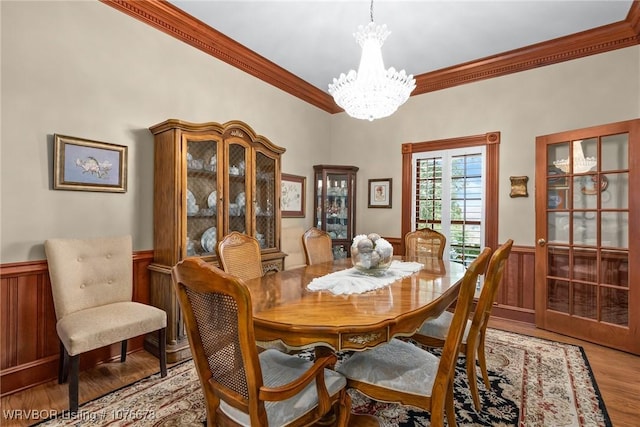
286	311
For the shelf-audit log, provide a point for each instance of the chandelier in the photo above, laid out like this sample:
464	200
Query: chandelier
373	92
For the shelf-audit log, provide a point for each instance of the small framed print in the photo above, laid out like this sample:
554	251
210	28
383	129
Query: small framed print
380	193
292	191
85	165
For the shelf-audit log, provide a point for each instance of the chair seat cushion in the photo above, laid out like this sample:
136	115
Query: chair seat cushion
97	327
397	365
439	327
278	369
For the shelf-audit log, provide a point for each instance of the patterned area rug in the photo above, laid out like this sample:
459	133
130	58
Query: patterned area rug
534	382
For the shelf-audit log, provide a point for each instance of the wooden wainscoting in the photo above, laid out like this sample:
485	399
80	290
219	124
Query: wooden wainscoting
516	295
29	346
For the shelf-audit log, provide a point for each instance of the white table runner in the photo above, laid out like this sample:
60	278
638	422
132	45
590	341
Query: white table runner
351	281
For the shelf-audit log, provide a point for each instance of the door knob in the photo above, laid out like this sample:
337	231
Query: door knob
542	242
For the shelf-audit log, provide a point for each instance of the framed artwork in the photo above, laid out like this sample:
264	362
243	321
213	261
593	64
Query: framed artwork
380	193
292	192
85	165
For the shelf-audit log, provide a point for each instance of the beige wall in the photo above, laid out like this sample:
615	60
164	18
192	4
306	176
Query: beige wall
87	70
84	69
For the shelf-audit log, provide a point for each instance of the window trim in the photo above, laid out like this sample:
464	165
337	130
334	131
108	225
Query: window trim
491	141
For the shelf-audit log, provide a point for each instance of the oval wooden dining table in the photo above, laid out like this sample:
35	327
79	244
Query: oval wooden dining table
284	310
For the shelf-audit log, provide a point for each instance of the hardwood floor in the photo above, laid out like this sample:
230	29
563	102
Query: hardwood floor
616	373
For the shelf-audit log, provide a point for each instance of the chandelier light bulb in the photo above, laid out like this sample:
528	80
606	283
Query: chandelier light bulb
373	92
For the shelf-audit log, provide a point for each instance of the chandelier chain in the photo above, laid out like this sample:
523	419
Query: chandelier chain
371	10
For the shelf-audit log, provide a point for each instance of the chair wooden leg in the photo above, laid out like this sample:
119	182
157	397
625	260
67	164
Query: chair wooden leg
449	406
162	351
473	380
344	409
123	351
483	361
63	365
74	362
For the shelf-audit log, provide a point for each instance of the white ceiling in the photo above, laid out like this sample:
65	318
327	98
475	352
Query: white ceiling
314	39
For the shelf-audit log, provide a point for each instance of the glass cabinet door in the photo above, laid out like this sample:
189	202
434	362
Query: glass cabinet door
237	217
201	197
335	205
263	203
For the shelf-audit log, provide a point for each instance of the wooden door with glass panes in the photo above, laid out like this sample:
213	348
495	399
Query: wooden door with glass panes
587	205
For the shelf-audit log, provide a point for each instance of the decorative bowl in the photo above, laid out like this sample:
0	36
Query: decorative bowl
371	255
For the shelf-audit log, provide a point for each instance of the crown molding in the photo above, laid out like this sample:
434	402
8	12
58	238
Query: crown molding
173	21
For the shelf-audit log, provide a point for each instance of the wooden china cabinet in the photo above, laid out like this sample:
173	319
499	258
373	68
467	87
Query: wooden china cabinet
334	204
210	179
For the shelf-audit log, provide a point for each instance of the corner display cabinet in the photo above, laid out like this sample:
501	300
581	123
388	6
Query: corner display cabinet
334	204
210	179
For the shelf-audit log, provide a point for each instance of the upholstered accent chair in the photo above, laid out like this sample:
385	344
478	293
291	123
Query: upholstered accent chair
402	372
239	255
424	243
92	287
241	385
317	246
434	332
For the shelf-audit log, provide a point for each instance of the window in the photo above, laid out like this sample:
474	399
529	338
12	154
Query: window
460	200
449	198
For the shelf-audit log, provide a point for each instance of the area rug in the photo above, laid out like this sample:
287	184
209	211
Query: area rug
534	382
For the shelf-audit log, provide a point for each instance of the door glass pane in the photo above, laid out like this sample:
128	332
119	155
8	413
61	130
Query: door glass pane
265	196
614	268
558	262
558	158
615	229
615	195
585	264
318	221
585	300
584	230
558	227
558	295
337	210
615	152
585	155
615	306
201	197
237	188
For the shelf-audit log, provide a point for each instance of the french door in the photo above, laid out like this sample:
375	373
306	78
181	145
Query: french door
588	234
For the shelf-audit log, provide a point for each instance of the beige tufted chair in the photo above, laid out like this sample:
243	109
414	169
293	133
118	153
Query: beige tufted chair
92	287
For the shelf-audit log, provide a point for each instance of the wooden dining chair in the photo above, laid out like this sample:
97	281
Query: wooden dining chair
424	242
402	372
317	246
244	387
434	332
239	255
